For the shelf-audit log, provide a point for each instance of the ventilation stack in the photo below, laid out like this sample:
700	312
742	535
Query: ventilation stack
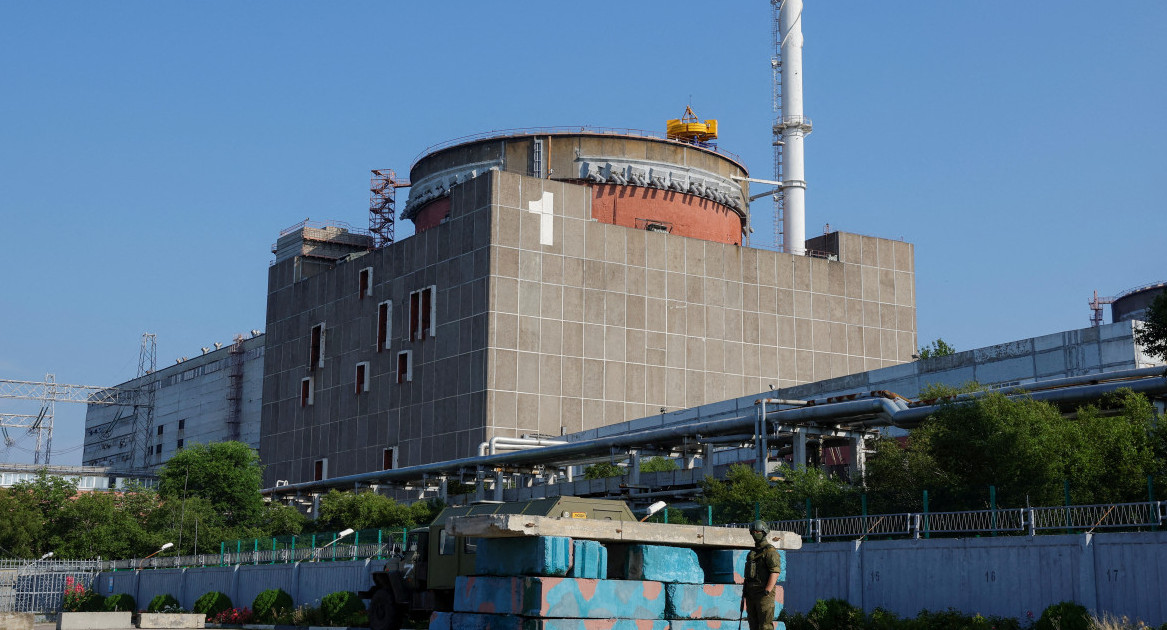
790	125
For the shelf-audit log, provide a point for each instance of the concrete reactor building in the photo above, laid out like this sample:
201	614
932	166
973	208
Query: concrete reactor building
558	281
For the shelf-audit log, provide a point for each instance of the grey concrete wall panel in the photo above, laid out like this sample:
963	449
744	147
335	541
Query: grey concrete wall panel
202	581
1128	571
1009	576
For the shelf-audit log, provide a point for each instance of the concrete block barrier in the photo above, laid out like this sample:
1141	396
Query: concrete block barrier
536	556
703	601
16	620
160	621
478	621
94	621
560	597
589	560
711	624
724	566
441	621
658	563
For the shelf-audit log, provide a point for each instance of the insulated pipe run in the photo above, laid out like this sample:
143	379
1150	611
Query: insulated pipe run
860	413
497	443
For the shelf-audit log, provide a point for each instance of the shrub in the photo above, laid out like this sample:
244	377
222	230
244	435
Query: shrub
212	603
270	603
836	614
1064	616
163	603
120	603
341	608
234	616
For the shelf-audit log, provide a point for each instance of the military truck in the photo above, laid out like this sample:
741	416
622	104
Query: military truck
419	579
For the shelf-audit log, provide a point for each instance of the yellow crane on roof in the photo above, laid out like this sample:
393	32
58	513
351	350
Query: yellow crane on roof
689	128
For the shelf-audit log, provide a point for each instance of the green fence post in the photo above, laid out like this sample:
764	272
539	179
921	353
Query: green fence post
1066	488
709	515
927	533
255	552
1151	503
808	531
273	550
238	551
757	510
333	545
863	511
993	507
666	515
378	544
222	552
293	547
356	544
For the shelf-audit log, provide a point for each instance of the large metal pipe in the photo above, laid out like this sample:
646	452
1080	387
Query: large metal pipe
859	413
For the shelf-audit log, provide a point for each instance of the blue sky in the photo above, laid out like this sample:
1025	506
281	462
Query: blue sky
151	152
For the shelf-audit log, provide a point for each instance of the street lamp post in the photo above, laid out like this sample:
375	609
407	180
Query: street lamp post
339	535
160	550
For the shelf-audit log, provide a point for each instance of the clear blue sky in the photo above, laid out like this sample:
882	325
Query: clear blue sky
151	152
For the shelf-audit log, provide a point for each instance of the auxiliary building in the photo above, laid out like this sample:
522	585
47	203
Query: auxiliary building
556	283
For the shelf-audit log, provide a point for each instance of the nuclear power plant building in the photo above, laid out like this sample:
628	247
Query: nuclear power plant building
557	282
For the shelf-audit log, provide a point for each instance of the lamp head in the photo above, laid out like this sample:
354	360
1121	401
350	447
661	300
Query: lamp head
656	507
166	546
344	532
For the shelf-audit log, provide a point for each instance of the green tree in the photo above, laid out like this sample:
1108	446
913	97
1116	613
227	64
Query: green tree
97	524
226	474
659	464
21	525
369	510
897	474
936	349
734	498
602	470
1152	335
50	496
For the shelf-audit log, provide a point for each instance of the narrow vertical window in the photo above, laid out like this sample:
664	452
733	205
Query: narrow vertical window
428	312
320	470
160	427
414	315
180	442
404	366
316	351
389	460
362	378
365	283
305	392
181	424
384	324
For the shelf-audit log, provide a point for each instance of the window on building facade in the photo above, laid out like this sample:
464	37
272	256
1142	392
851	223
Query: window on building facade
384	324
365	282
306	391
160	427
316	351
423	308
362	378
389	460
320	470
404	366
180	442
158	449
181	424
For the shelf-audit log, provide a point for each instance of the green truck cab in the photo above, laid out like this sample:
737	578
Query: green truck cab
421	578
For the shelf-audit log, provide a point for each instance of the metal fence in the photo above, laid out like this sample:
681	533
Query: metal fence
321	547
1011	521
38	585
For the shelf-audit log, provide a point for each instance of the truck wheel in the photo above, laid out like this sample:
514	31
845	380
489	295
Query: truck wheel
384	613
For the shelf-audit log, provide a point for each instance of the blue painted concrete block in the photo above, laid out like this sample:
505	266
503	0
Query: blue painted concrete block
727	566
659	563
709	601
702	624
479	621
560	597
441	621
589	560
538	555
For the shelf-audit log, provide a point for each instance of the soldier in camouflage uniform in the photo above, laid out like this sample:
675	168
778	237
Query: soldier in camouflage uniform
763	564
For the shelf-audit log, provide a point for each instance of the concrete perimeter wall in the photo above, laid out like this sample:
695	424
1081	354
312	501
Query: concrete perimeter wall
1123	574
306	582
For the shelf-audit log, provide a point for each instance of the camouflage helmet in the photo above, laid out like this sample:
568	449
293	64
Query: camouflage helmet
760	526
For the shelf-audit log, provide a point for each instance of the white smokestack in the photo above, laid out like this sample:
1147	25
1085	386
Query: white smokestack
794	126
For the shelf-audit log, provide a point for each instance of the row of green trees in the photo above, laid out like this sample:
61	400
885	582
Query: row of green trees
206	494
1027	450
